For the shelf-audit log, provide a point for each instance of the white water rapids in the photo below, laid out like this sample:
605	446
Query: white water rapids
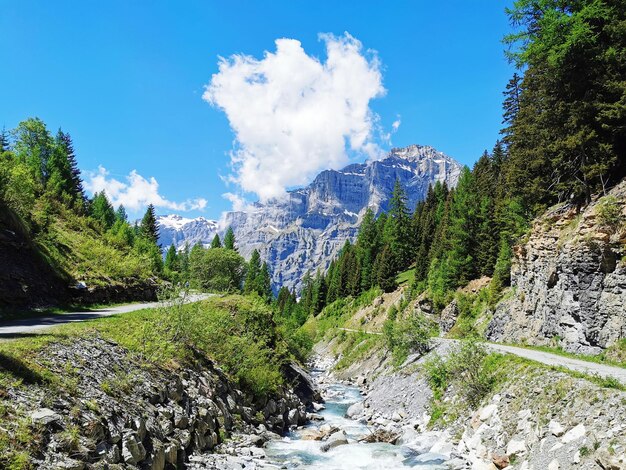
293	452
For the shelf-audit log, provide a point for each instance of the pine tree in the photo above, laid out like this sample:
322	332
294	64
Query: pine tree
265	283
149	228
72	181
5	143
216	243
101	210
386	270
171	259
120	214
397	229
229	239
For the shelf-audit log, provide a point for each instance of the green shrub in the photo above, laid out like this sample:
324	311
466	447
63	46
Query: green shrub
408	335
473	370
609	211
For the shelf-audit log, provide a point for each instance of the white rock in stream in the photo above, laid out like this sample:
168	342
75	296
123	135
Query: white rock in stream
335	440
355	410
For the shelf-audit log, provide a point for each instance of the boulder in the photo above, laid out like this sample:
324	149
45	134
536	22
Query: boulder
555	428
303	384
336	439
355	410
133	450
515	447
45	416
574	434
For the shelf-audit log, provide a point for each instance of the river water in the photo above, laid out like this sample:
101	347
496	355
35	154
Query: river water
293	452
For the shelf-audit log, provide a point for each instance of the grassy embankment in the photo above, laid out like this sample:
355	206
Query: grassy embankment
237	332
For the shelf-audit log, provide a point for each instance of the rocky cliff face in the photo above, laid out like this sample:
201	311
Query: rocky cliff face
569	279
109	410
305	230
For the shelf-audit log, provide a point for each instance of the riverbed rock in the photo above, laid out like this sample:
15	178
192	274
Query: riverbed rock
355	410
555	428
336	439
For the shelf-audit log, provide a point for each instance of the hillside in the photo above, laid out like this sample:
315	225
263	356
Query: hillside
56	245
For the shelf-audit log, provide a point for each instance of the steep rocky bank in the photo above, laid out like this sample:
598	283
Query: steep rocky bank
535	419
569	279
101	407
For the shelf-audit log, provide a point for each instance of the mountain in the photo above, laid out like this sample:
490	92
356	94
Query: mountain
177	230
306	229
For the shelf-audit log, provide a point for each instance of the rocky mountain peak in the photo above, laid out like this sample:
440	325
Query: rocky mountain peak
305	230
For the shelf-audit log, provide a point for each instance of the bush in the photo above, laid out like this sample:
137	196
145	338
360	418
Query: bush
217	269
609	211
406	336
471	367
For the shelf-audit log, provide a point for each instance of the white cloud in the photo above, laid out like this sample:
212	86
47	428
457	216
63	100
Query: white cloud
294	115
137	192
239	203
396	124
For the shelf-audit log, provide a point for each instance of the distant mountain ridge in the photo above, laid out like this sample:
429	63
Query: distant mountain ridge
176	230
305	230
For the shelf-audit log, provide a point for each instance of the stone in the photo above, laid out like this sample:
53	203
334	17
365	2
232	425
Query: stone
293	417
133	450
336	439
355	410
574	434
44	417
487	412
554	465
311	435
171	454
515	447
555	428
317	407
608	461
500	461
69	464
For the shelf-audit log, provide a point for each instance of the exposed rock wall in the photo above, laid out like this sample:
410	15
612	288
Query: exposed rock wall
133	415
569	281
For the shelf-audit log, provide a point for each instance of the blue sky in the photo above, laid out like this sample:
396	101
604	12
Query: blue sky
126	78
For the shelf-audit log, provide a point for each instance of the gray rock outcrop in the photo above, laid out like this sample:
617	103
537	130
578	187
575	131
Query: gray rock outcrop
569	280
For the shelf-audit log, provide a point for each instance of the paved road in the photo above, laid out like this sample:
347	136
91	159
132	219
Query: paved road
577	365
17	328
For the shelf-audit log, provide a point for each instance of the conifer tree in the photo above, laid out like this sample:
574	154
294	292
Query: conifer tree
216	243
265	283
229	239
386	270
120	214
5	143
149	228
171	259
101	210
